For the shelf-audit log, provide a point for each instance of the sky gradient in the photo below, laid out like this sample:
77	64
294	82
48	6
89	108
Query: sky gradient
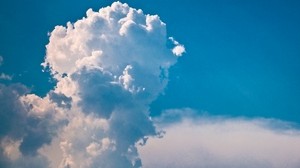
242	57
173	65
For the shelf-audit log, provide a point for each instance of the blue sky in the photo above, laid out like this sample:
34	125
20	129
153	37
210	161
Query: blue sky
242	57
242	61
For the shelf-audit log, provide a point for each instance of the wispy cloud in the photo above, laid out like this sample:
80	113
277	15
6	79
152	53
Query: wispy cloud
1	60
193	140
4	76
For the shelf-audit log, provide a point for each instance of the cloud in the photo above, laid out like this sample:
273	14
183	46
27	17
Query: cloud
191	140
27	123
1	60
60	99
112	64
12	112
109	66
4	76
179	49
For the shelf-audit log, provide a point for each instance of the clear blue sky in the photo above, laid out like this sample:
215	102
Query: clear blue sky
242	57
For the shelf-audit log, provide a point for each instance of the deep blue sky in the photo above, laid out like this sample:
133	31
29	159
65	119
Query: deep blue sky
242	57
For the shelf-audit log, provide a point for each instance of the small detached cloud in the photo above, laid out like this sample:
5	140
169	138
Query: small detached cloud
178	49
109	66
1	60
4	76
192	140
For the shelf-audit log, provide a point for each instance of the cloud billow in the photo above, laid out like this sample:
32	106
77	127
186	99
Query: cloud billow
194	140
27	123
109	66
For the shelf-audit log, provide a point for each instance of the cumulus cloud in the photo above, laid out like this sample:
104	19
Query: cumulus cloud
191	140
112	64
109	66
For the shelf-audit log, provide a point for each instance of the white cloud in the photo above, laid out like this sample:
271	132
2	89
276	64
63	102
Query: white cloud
178	49
28	123
109	67
4	76
206	141
11	148
112	38
1	60
112	61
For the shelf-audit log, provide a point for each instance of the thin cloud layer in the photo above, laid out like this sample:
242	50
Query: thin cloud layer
203	141
109	67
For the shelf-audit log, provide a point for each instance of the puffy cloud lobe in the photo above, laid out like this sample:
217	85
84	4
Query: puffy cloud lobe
204	141
27	123
114	38
12	112
97	92
60	99
77	139
10	148
179	49
43	119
